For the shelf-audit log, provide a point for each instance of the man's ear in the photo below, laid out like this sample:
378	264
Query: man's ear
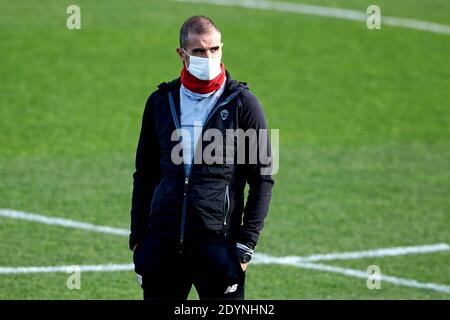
182	56
180	52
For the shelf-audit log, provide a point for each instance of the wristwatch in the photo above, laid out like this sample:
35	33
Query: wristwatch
245	257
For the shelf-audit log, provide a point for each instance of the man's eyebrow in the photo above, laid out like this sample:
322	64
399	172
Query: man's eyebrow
203	49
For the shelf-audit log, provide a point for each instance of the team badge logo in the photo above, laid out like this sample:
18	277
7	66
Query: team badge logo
224	114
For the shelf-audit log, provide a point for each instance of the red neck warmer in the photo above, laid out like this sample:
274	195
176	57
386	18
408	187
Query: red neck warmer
202	86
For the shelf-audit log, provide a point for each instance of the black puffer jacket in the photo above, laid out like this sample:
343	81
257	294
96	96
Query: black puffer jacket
209	203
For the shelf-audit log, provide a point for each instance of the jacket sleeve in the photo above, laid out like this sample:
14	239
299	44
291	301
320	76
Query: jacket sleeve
260	183
146	176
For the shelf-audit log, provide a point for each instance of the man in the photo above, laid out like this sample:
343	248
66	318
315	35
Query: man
189	223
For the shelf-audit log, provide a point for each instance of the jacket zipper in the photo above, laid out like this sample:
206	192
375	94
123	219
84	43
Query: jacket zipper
226	205
183	214
176	121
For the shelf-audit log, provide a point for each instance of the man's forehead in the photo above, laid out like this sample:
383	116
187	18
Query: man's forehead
205	40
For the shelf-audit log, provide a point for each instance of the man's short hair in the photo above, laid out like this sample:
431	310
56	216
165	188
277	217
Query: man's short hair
198	25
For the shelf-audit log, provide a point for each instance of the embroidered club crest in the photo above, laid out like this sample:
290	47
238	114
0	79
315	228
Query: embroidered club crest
224	114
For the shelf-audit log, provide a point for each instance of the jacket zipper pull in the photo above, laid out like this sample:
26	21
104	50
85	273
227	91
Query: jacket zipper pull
226	206
186	182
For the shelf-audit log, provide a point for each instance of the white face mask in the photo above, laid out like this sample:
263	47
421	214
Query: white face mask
204	68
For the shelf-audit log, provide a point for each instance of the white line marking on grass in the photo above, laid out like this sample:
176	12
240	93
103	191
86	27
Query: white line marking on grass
7	213
364	275
267	260
84	268
382	252
328	12
259	258
304	264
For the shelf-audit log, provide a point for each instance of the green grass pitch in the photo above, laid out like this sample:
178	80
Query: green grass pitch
364	120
